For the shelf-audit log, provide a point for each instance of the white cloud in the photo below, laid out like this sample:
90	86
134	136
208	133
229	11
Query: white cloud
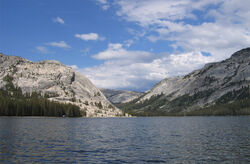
75	67
140	69
89	36
60	44
128	43
150	12
117	52
42	49
58	20
219	40
104	3
222	28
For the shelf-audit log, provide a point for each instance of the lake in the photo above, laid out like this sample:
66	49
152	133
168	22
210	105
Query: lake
125	140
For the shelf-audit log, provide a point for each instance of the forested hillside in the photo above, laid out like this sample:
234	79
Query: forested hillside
220	88
14	103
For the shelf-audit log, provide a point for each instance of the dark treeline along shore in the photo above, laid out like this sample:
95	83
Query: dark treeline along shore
240	105
219	88
14	103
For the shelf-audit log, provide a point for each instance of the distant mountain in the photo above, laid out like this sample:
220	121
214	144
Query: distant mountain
58	82
210	90
120	96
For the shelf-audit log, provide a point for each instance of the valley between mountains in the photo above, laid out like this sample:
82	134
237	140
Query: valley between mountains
220	88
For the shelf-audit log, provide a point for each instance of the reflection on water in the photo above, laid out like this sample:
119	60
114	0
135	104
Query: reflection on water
125	140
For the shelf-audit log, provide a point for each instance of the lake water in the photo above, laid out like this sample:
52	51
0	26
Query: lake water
125	140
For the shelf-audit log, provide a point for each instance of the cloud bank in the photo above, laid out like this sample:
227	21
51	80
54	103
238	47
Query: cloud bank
219	27
192	28
139	70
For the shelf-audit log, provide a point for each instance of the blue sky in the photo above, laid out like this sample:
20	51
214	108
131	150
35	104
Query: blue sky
125	44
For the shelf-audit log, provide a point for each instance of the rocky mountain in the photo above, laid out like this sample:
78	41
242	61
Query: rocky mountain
59	82
216	83
120	96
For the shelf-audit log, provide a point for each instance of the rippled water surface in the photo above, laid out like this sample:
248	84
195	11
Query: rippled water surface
125	140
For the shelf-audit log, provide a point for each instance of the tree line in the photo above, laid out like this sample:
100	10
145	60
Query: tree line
236	102
14	103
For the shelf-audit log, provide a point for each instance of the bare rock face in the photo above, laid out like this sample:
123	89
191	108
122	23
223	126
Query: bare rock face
59	82
120	96
212	81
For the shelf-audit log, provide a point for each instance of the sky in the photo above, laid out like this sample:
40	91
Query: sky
125	44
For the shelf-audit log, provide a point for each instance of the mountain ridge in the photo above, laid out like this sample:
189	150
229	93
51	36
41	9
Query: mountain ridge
199	89
61	83
120	96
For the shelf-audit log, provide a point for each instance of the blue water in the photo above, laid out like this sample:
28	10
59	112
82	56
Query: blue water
125	140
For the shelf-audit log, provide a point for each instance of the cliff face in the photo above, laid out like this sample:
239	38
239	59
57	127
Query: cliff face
202	87
59	82
120	96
